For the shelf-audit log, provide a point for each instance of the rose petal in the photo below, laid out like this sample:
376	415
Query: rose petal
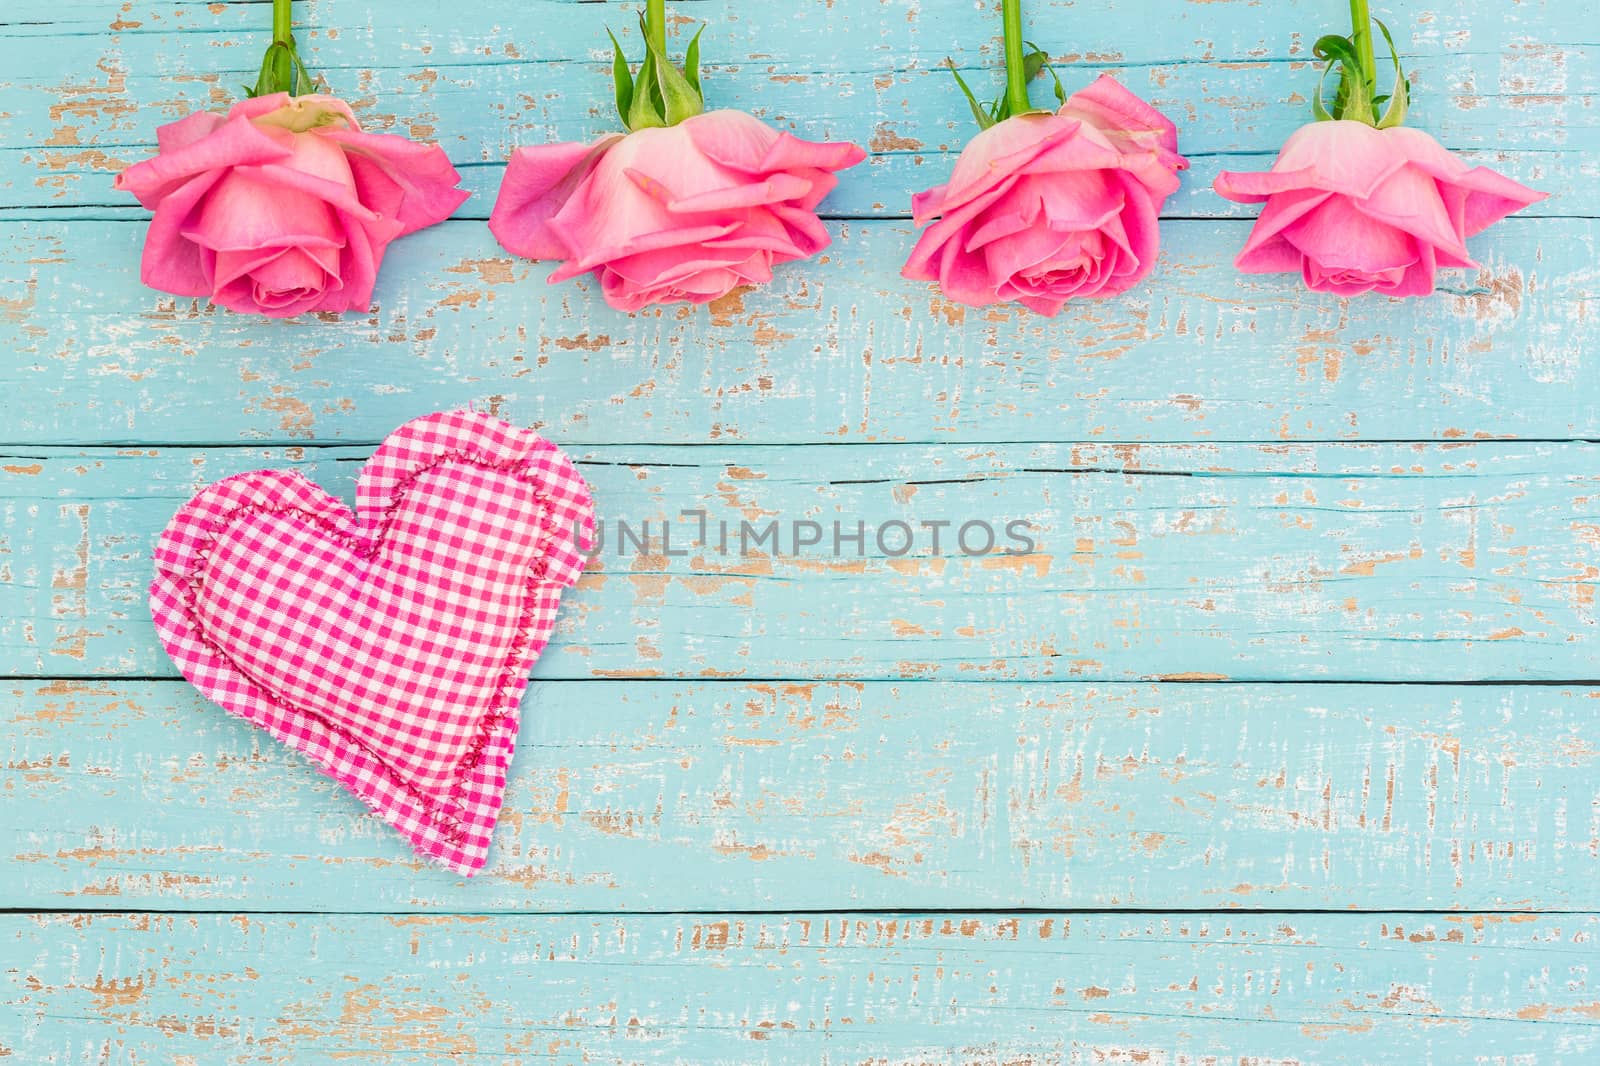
1252	187
607	211
732	139
1489	195
248	210
1087	149
775	189
1273	255
676	267
1338	283
296	114
1018	251
1338	237
233	143
1280	211
1118	113
804	228
537	183
1012	215
187	130
642	242
1079	199
170	262
281	286
1000	152
1418	278
964	276
1047	305
428	183
1137	234
359	265
1409	200
272	205
928	204
1348	157
923	263
743	142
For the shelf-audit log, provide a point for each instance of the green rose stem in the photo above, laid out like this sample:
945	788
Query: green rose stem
1361	40
281	68
1358	99
282	22
655	21
1021	67
661	93
1016	69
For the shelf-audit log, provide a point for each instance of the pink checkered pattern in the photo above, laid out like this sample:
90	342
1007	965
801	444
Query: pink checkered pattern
391	646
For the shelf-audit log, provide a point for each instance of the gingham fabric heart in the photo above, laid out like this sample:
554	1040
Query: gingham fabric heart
391	646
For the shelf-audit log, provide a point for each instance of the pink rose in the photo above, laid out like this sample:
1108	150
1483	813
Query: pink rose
1042	208
675	213
1354	208
283	205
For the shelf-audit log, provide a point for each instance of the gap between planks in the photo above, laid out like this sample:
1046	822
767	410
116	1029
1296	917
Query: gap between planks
812	912
18	449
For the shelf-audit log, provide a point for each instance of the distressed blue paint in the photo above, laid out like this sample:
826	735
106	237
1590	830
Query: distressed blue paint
627	796
843	350
995	785
822	988
1419	562
914	123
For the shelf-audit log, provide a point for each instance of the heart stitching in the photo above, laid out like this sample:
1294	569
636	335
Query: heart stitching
452	825
451	821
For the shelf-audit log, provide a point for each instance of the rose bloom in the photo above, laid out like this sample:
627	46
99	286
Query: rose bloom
677	213
283	205
1353	208
1043	208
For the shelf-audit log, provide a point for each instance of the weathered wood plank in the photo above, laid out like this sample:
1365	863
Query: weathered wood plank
1252	562
826	34
822	988
630	796
85	88
1372	563
840	350
908	120
912	121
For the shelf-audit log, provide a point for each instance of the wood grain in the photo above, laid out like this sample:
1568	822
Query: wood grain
955	749
843	350
811	988
627	796
1252	562
88	86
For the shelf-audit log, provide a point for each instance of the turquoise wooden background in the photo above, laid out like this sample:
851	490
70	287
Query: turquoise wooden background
1283	746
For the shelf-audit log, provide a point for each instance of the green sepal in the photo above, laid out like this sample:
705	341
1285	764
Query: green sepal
659	94
1032	64
1399	98
984	117
282	71
691	64
622	76
996	110
1043	59
681	100
1318	108
644	111
1351	100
